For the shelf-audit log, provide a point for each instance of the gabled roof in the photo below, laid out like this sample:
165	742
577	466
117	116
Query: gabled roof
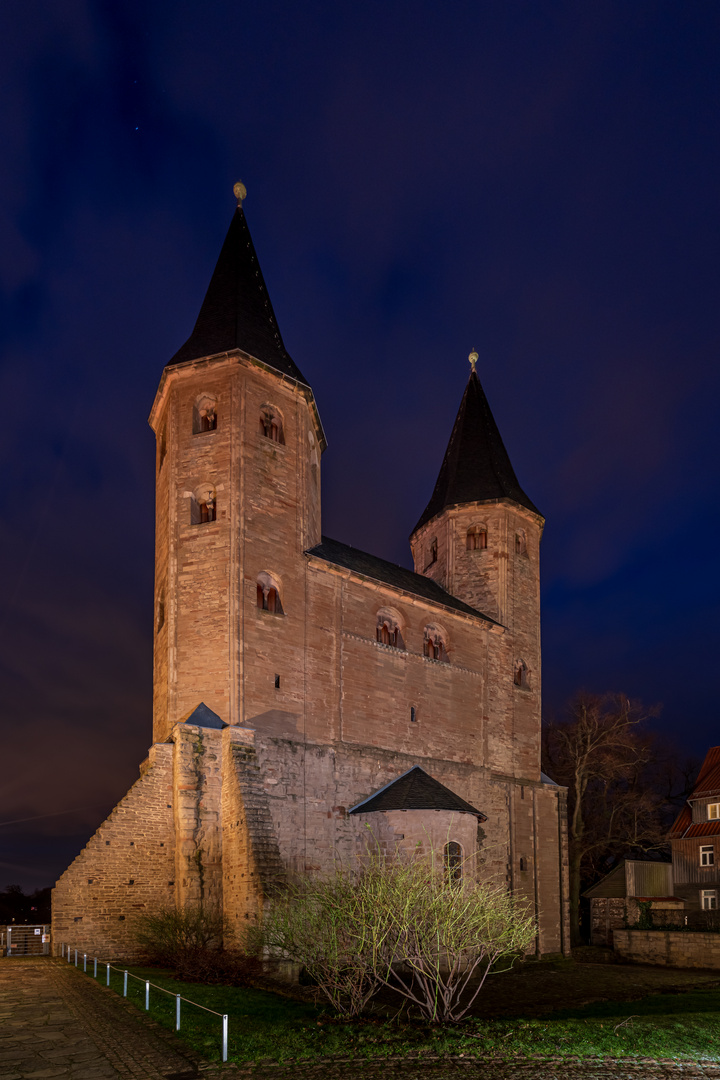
415	790
236	312
476	466
706	785
708	781
202	716
370	566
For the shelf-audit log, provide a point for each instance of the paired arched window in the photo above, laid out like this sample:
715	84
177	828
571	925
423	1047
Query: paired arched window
387	631
268	594
476	539
203	505
453	861
520	542
434	646
271	425
205	414
520	676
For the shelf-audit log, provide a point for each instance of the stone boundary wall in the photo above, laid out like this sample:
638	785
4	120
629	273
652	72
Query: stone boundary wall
672	948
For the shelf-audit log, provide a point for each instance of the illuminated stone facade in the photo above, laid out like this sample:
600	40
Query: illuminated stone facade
325	673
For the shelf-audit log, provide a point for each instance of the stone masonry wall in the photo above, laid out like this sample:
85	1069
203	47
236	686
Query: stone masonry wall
126	869
252	865
671	948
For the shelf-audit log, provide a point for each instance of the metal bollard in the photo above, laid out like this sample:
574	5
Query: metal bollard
107	980
68	955
85	961
76	958
62	948
225	1037
177	1012
124	983
95	969
147	995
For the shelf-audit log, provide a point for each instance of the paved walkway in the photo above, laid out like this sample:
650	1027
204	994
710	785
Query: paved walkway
57	1023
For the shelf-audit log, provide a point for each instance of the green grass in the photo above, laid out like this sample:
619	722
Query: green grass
266	1026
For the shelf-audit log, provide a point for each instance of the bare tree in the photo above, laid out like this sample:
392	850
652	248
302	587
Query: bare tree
605	754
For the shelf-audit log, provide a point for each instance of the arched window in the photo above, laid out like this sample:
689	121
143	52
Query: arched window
203	505
520	542
271	425
387	630
205	414
434	644
162	448
520	677
453	862
476	538
268	594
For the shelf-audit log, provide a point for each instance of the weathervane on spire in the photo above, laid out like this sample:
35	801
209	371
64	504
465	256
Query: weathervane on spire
240	192
473	358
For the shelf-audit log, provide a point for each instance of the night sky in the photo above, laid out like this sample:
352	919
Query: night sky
540	181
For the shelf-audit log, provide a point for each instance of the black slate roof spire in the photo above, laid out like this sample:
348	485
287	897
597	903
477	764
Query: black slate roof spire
476	466
236	312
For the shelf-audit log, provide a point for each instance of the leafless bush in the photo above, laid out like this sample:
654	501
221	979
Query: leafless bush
401	923
195	942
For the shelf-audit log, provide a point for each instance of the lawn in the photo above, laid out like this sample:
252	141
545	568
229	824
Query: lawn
264	1026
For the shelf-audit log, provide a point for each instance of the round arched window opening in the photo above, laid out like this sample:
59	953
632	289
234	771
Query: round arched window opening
453	861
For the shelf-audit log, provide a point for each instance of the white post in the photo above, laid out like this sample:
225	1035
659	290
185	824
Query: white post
147	995
95	969
107	977
225	1037
85	961
76	958
124	983
177	1012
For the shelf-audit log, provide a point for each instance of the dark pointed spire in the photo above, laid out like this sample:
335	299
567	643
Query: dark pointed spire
236	312
476	466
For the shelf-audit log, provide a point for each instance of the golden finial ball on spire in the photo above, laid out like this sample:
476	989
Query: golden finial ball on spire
240	192
473	358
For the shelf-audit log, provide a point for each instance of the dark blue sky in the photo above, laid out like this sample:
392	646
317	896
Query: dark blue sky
538	180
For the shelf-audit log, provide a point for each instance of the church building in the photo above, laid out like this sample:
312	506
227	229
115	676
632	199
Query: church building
309	698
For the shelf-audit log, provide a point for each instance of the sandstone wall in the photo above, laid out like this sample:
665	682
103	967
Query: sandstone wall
668	947
126	869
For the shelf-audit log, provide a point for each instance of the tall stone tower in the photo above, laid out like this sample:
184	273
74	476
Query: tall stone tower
479	537
234	511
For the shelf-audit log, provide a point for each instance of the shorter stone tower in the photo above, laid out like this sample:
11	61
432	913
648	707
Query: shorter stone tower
479	537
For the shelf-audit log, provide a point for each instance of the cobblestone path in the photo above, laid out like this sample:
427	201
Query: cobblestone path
56	1023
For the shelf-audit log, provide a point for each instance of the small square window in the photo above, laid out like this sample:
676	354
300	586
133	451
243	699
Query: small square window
708	899
707	855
